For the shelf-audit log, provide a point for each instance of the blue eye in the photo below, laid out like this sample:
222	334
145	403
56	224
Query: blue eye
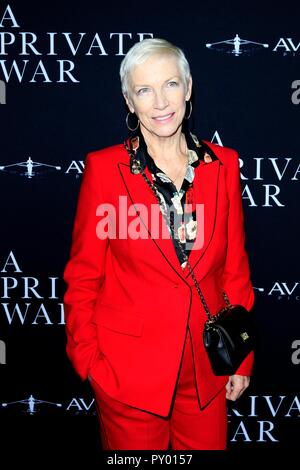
173	83
141	91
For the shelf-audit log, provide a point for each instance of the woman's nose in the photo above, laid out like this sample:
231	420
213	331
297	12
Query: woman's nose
160	100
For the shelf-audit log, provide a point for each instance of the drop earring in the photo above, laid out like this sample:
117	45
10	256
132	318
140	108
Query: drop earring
127	122
191	108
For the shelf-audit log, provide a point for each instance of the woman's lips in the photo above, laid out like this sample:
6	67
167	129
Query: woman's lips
164	119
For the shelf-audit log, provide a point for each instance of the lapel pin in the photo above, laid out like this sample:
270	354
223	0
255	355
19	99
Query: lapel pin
207	158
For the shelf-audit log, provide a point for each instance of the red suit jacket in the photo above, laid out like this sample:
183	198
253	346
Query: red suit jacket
128	302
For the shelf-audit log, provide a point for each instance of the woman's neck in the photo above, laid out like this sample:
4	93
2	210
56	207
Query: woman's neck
165	149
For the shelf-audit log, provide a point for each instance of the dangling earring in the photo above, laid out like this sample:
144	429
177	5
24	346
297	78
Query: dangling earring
128	124
191	108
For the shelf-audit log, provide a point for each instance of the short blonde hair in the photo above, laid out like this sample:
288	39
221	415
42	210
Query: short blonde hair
142	50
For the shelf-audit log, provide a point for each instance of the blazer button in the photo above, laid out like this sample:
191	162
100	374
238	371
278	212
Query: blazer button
175	286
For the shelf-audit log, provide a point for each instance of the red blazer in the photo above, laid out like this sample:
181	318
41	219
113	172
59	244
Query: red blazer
128	302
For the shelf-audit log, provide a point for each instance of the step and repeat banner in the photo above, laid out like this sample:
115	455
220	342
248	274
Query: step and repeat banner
60	98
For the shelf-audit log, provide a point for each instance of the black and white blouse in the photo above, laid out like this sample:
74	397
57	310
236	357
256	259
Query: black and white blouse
179	205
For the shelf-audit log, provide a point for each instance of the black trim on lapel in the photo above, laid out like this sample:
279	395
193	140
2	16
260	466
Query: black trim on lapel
164	245
206	194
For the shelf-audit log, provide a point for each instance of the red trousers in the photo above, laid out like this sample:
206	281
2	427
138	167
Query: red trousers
187	426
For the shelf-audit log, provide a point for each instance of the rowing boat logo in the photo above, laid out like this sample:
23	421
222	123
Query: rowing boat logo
29	168
236	46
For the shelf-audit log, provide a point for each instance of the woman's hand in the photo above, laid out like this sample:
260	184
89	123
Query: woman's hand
236	385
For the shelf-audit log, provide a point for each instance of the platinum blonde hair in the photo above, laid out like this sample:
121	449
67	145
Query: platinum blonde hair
142	50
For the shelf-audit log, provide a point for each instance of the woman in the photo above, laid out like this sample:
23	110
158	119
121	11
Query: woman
134	320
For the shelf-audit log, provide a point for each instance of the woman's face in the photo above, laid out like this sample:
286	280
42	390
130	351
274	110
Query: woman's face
157	94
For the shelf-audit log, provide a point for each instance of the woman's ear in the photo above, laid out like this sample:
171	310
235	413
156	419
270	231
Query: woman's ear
189	89
131	108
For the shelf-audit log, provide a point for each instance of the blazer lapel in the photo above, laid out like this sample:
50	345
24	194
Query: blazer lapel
140	193
206	193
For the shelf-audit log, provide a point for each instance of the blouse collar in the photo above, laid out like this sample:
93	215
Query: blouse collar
198	151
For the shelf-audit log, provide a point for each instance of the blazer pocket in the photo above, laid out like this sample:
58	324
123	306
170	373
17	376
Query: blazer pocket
119	321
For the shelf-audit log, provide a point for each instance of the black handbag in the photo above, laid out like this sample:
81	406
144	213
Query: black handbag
228	335
228	338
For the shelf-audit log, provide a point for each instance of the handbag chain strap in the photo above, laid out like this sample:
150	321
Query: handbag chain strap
138	169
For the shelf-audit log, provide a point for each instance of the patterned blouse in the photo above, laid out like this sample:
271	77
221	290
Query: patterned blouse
179	205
